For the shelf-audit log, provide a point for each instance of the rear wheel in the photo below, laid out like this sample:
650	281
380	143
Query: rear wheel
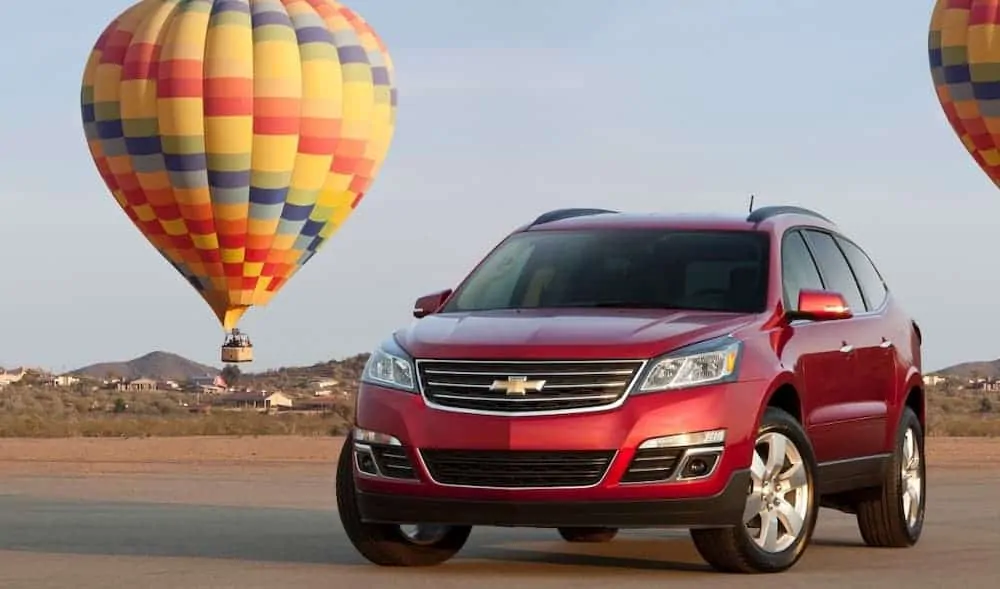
781	507
392	545
588	534
893	517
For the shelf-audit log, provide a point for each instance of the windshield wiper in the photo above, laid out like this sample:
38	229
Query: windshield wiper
618	304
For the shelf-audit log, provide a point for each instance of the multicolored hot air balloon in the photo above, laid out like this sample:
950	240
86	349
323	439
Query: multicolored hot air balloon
238	135
964	52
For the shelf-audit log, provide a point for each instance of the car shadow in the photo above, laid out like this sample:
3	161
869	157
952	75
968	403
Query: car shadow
305	537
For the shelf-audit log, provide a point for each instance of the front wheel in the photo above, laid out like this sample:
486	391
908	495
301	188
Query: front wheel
781	508
893	516
392	545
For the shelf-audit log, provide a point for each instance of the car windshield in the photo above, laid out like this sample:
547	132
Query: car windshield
703	270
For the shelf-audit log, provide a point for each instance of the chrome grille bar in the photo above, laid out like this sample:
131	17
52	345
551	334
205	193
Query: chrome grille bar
526	387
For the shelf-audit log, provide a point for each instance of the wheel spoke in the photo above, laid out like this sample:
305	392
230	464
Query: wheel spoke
768	532
775	456
795	477
789	518
757	467
754	507
913	492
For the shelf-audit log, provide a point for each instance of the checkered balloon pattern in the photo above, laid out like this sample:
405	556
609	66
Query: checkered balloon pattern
964	52
238	135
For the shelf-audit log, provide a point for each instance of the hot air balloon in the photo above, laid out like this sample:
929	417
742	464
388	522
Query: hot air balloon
238	136
964	51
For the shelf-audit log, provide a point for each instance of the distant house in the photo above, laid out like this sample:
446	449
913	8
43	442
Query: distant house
65	380
324	383
139	384
8	377
208	384
324	404
933	379
256	400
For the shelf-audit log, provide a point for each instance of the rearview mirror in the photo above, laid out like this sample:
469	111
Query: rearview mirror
427	304
821	305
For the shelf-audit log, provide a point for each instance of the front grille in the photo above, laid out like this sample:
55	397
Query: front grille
393	462
493	386
517	468
652	464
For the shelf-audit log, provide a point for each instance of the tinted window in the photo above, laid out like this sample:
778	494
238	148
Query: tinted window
868	277
833	266
798	271
633	268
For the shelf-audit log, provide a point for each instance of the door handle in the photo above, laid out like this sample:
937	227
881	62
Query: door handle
886	344
847	348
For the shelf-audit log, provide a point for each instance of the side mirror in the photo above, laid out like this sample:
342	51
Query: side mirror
821	305
427	304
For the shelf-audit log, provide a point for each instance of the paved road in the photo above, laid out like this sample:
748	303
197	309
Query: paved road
50	540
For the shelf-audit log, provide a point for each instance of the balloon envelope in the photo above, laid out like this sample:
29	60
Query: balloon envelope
238	135
964	52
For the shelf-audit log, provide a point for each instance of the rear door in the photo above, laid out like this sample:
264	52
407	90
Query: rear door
877	380
852	419
814	350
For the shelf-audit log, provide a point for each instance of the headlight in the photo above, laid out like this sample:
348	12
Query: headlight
390	366
709	362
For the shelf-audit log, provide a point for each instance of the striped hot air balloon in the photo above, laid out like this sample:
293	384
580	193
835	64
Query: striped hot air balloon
964	53
238	135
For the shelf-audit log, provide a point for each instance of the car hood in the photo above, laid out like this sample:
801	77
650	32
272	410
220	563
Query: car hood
562	333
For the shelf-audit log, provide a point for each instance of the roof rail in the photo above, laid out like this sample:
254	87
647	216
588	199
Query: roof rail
765	213
560	214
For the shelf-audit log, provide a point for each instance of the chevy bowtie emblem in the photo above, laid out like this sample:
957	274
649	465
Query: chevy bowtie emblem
517	385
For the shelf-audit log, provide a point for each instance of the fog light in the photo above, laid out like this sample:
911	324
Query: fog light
699	465
365	460
715	436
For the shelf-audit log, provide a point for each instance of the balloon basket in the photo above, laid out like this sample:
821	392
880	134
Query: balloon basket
237	348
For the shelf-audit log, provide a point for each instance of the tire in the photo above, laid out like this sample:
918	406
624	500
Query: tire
387	544
883	517
735	549
589	535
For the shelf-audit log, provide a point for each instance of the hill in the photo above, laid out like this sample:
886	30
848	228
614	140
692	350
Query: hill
155	365
967	370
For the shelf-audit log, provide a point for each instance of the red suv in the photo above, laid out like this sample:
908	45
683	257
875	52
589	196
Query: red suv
600	370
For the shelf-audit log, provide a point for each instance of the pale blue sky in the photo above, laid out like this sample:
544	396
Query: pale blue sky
508	109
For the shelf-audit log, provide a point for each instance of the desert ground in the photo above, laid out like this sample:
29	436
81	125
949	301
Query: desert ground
259	512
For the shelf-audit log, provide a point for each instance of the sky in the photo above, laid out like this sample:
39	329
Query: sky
506	110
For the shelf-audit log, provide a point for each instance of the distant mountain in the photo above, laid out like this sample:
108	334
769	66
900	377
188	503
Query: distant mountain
155	365
966	370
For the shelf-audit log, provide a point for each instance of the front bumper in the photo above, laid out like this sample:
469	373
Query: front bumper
721	510
611	500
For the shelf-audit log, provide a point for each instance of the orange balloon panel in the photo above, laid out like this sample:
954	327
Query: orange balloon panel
238	135
964	53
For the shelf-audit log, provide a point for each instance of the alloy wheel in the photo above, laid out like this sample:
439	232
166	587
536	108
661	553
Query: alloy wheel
778	503
911	487
424	534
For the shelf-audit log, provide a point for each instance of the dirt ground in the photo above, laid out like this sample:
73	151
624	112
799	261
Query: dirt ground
213	513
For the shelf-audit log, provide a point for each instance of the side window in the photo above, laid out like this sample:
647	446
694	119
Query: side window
871	282
834	268
798	271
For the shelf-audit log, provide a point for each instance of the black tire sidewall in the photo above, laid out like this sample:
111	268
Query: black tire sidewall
386	543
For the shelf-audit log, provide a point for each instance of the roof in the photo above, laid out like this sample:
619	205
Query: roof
251	396
765	219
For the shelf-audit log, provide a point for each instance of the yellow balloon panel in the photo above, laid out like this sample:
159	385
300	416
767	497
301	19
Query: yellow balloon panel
238	135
